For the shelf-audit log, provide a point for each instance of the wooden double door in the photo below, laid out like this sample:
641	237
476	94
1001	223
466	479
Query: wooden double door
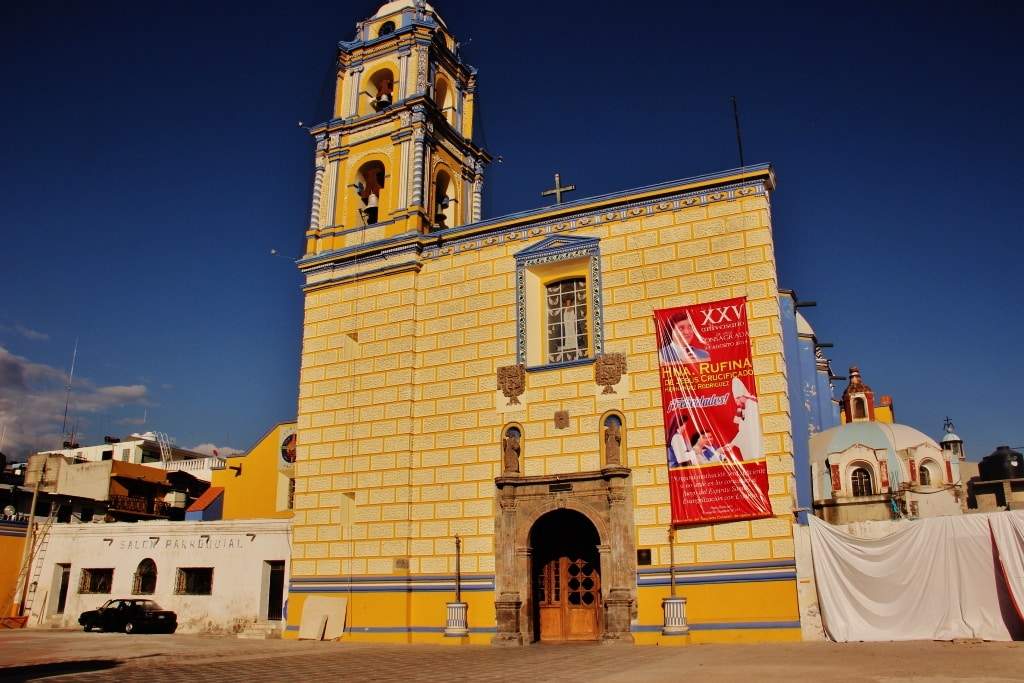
568	594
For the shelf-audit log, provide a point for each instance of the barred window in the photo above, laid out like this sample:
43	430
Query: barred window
96	581
194	581
145	578
861	480
566	304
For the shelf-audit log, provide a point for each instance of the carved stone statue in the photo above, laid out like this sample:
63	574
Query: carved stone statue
510	450
612	442
608	370
512	382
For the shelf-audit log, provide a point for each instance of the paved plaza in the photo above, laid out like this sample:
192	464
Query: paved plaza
76	656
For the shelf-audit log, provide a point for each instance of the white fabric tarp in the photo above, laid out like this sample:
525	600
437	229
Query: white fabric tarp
1008	535
933	579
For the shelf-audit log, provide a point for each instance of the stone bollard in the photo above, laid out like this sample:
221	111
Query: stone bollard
457	624
675	617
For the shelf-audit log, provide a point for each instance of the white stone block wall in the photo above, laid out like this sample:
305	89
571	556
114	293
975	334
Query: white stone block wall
238	551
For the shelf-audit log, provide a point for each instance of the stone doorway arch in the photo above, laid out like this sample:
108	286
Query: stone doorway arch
603	499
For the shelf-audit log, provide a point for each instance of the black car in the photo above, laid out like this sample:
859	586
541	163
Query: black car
130	616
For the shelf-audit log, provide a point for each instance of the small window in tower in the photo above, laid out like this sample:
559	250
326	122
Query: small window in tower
566	303
444	99
369	183
860	410
386	28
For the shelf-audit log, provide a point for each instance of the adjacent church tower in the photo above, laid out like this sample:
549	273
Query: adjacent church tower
397	156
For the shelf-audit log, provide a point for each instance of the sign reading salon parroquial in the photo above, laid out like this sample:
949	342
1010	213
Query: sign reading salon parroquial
233	542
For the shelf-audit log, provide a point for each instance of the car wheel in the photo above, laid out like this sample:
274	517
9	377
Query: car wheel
86	627
129	627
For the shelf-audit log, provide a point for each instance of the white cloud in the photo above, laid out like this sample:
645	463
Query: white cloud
29	333
209	448
32	402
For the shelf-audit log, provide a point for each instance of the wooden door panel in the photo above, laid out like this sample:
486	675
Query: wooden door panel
551	623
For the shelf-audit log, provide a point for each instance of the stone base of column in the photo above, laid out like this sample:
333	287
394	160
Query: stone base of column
617	608
506	610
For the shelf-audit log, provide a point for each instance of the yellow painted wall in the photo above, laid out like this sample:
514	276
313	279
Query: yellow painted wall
12	544
261	489
405	419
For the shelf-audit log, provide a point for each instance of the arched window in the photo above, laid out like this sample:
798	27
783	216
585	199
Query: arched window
566	306
444	202
929	474
861	480
145	578
386	28
369	183
860	410
613	439
444	99
381	86
511	448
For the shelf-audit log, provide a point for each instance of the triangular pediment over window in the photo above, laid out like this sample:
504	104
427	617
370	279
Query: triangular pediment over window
556	244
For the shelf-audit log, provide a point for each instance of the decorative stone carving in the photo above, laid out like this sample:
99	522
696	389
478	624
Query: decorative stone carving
512	382
510	448
608	370
561	419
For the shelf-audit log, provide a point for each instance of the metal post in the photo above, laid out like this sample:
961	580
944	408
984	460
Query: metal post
458	568
672	560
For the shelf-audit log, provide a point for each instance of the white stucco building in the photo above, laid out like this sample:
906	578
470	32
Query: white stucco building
869	469
222	576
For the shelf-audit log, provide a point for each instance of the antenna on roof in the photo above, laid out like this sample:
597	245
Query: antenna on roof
739	137
67	394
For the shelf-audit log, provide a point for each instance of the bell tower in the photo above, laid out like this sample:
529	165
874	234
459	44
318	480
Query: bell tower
397	156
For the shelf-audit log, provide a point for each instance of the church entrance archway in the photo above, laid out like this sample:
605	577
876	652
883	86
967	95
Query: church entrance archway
566	572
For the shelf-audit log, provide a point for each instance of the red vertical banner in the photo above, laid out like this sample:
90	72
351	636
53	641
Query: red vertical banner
717	469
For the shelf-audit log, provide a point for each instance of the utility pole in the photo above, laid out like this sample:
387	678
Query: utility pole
24	568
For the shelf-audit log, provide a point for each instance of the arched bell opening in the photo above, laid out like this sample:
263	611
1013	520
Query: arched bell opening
444	99
445	202
565	577
369	185
380	87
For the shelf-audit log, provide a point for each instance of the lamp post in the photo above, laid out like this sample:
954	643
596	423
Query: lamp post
456	622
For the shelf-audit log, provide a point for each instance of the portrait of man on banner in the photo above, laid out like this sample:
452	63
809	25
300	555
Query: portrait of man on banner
684	343
717	469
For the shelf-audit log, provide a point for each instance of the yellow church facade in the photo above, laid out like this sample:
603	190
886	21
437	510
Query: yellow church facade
451	393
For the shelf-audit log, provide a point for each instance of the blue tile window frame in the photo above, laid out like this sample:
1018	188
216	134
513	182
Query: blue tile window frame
553	250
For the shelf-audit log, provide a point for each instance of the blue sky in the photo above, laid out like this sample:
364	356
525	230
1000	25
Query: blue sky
151	161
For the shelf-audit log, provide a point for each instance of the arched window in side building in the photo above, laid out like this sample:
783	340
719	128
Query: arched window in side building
145	578
861	481
924	476
369	184
386	28
929	474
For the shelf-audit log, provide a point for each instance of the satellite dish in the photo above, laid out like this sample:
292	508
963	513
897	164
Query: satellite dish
9	510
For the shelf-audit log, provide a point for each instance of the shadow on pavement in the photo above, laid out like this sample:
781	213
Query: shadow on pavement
31	672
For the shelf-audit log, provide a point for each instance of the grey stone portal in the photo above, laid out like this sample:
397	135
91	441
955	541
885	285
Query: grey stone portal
605	498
